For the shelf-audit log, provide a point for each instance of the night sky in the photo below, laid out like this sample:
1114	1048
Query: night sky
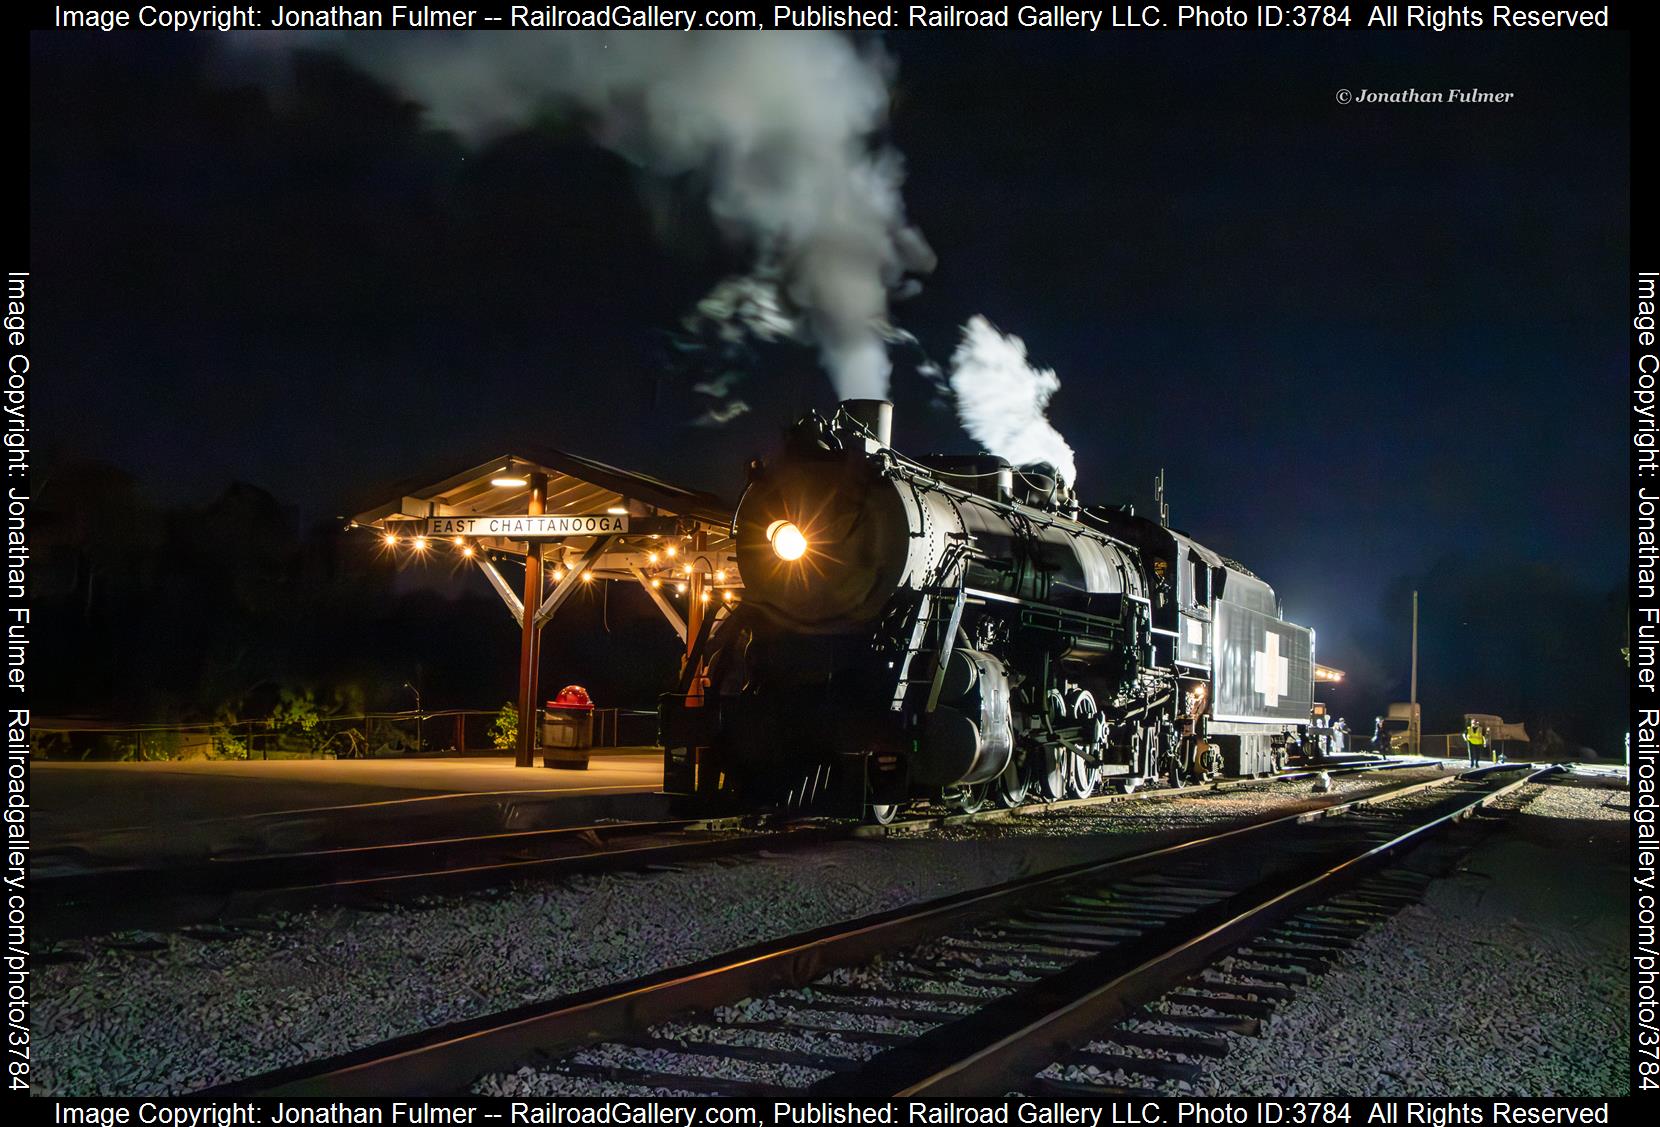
1365	342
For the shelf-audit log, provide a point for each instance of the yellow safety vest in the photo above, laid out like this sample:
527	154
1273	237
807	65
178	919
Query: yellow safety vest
1475	737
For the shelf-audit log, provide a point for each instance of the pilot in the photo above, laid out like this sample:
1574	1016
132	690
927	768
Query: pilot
1475	740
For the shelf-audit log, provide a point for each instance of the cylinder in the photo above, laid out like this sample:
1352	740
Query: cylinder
874	417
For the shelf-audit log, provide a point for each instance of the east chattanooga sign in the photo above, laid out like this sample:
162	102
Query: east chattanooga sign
524	526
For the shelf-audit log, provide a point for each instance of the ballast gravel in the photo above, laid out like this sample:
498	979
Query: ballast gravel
1509	979
143	1014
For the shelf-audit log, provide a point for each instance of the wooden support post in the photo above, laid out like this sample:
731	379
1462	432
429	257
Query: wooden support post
695	610
529	635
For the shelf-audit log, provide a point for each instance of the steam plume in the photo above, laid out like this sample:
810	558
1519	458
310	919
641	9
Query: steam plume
781	125
1001	399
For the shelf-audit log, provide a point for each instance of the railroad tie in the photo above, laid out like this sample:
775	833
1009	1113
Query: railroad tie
1203	1023
756	1053
1072	1089
1197	1046
1160	1067
924	996
1274	955
1245	966
1244	989
1237	1006
707	1085
863	1036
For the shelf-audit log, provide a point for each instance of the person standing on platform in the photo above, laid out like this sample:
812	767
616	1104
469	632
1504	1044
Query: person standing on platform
1475	740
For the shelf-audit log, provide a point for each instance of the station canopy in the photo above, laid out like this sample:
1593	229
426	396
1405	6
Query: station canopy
597	523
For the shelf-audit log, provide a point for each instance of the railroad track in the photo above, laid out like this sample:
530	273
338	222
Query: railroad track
209	893
219	889
972	994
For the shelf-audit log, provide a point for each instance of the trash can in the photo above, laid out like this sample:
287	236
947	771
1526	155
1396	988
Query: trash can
568	729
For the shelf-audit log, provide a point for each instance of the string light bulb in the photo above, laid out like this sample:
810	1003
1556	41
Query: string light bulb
390	539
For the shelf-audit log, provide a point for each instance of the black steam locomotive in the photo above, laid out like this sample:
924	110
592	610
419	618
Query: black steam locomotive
960	630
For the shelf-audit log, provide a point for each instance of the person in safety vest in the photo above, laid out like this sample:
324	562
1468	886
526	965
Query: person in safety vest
1475	740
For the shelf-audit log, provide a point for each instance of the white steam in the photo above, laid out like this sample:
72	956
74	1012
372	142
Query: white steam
1001	399
781	126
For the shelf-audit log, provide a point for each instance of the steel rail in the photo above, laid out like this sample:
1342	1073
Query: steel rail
1042	809
449	1057
93	903
75	904
1011	1061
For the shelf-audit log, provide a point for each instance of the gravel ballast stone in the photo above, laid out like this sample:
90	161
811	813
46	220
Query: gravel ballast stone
1509	979
168	1013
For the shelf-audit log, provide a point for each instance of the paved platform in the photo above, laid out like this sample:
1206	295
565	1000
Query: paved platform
98	814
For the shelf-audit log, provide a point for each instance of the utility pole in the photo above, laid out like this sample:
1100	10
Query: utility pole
420	717
1417	735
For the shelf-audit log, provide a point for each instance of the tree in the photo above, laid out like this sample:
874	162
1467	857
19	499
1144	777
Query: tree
504	731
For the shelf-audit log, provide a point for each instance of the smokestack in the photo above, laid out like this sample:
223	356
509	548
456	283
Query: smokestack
870	418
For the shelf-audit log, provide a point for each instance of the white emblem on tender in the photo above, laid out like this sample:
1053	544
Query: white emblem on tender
1270	673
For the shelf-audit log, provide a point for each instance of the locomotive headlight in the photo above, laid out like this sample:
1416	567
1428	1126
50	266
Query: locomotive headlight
787	541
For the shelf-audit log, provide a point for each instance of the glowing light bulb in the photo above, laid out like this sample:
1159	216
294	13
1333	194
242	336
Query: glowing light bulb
788	542
419	543
587	577
467	551
670	551
720	577
390	540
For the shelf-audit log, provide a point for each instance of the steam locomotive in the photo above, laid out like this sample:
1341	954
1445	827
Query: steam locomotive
960	630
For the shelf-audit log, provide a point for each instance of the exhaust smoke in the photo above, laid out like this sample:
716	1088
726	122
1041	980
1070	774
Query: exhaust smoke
785	130
783	127
1001	399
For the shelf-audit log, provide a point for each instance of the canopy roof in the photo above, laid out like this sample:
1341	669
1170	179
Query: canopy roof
575	485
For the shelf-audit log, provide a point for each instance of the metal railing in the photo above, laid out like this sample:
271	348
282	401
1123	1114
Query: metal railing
371	735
